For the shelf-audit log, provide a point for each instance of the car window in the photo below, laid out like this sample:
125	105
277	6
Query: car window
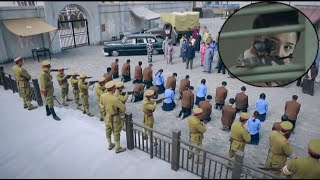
141	40
152	39
131	41
159	38
124	39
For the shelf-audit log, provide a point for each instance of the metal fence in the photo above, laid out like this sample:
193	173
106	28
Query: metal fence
174	150
8	82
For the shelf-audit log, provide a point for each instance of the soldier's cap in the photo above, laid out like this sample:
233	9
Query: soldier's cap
149	93
45	63
244	116
314	147
101	80
74	73
119	85
82	76
17	59
286	126
197	111
109	85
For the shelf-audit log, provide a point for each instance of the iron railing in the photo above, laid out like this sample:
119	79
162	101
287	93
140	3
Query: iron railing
8	81
174	150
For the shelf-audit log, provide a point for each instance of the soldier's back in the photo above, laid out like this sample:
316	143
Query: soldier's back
304	168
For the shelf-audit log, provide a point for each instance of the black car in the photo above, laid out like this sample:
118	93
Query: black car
133	44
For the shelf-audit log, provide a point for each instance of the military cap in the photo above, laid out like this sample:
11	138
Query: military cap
314	147
149	93
17	59
109	85
197	111
286	126
74	73
119	84
101	80
45	63
83	76
244	116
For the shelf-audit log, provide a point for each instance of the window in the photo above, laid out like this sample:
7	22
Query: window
26	3
141	40
131	41
152	39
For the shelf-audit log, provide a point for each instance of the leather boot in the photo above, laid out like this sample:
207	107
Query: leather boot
89	114
25	106
119	149
54	114
111	145
30	106
69	99
48	110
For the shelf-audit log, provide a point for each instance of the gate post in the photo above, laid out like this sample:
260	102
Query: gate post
236	170
37	92
129	131
74	38
175	158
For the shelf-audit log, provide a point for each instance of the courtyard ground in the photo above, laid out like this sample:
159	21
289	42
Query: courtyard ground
90	60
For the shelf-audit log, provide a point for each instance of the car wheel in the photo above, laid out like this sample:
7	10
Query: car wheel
155	52
115	53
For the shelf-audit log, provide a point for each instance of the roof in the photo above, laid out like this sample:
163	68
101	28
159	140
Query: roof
142	35
144	13
28	26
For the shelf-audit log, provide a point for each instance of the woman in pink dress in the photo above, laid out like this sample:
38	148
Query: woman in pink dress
202	52
169	53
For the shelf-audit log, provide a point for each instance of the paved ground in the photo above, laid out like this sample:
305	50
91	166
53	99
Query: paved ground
90	60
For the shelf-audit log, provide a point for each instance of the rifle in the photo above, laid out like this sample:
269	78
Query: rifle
159	100
92	82
54	97
270	169
55	70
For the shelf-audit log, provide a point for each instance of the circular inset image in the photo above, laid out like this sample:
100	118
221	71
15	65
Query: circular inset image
268	44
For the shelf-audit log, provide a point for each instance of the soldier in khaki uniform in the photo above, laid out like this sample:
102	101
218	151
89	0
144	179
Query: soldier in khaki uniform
63	82
115	69
22	79
305	168
125	71
280	147
75	88
100	89
239	135
147	74
171	82
138	73
47	88
242	100
196	130
184	85
83	87
108	75
122	98
292	109
113	107
228	115
148	107
156	91
221	95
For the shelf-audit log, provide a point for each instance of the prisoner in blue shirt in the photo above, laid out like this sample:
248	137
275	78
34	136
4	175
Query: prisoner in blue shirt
168	103
160	81
262	107
201	92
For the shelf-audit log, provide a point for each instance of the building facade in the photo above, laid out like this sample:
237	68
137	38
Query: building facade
104	20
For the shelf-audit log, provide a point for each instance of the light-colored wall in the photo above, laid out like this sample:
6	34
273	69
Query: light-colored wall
118	18
10	45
